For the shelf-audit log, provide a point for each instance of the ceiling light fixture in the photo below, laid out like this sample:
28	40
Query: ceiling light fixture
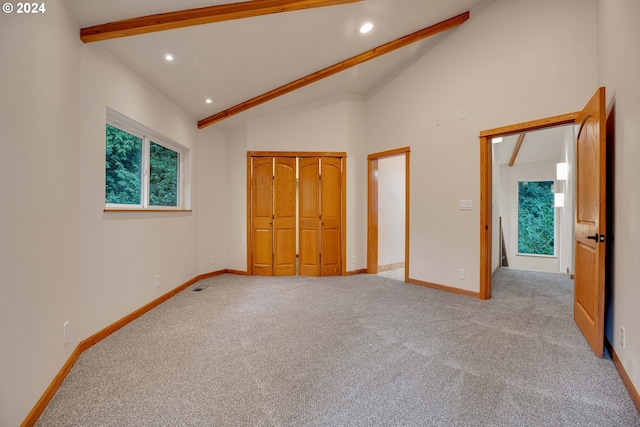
366	28
169	56
208	100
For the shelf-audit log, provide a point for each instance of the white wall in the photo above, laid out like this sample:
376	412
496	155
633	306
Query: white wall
123	252
618	70
39	237
237	199
500	69
356	186
213	218
391	210
567	213
63	258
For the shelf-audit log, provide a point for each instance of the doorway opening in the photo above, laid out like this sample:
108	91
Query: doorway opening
490	244
533	200
388	212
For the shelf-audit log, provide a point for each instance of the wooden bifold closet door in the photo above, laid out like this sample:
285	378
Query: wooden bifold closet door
273	216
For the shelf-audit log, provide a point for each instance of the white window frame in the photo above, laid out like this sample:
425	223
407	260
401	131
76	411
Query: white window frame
148	136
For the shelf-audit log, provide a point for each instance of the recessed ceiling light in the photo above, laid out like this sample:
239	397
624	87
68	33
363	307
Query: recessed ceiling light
169	56
366	28
208	100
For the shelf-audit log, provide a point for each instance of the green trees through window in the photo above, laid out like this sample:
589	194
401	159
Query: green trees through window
139	172
163	176
124	168
536	225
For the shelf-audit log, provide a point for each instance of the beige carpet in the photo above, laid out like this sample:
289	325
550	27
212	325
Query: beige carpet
348	351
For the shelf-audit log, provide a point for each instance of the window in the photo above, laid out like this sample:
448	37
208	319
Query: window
143	169
536	224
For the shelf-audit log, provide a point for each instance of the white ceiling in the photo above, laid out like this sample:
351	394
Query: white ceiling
545	145
234	61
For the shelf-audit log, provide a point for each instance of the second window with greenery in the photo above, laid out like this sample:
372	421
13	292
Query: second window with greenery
143	170
536	218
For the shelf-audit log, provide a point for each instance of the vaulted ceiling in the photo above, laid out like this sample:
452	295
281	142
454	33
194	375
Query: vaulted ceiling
234	61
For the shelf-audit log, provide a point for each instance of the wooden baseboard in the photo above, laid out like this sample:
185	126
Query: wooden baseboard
354	272
212	274
236	272
444	288
37	410
633	393
387	267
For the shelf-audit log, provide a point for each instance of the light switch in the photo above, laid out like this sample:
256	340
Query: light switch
466	205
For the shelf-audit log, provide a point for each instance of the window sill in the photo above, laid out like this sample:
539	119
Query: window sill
537	255
145	210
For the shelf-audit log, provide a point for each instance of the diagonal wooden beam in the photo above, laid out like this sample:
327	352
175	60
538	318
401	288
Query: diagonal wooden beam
336	68
516	149
199	16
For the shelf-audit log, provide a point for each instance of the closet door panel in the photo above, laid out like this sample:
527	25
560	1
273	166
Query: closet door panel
284	216
309	216
262	216
331	216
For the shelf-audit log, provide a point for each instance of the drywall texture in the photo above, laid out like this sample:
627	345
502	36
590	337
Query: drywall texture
39	237
212	199
618	70
63	258
123	252
513	61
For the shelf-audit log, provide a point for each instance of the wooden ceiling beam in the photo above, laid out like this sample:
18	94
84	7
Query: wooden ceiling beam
516	150
199	16
336	68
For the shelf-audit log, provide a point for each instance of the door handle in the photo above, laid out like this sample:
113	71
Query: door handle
594	237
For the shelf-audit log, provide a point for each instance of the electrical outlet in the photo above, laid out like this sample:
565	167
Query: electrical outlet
213	259
353	259
461	274
65	330
157	281
623	337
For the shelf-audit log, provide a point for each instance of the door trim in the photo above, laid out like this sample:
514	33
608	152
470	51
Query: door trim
372	208
486	162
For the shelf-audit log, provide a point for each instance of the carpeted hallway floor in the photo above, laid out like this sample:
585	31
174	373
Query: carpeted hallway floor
348	351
